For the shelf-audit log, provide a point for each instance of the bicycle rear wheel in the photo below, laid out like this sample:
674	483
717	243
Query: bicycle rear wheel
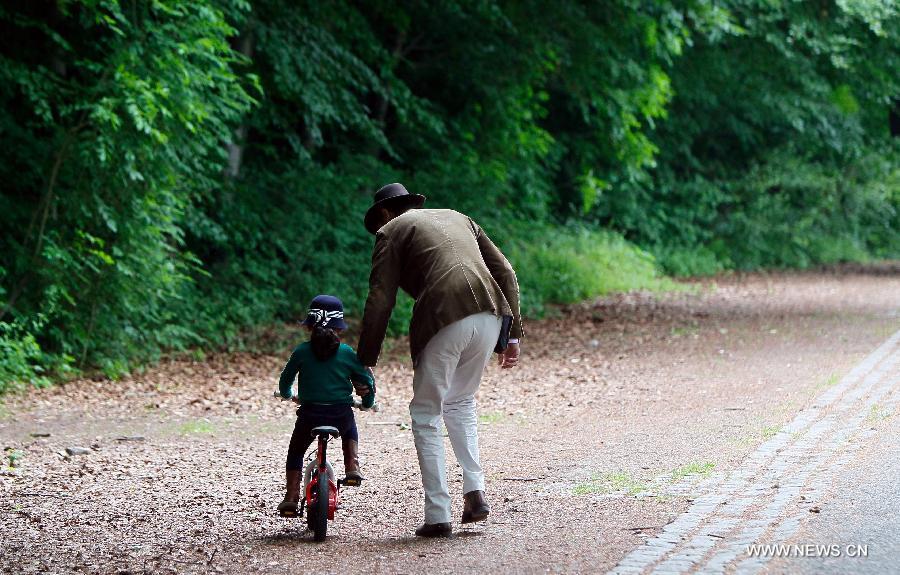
318	513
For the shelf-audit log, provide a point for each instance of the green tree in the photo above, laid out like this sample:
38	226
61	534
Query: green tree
113	119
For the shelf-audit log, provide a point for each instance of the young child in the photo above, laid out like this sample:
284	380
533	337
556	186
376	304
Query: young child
327	371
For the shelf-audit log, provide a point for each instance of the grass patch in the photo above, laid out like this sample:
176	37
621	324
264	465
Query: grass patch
691	330
610	483
831	381
693	469
197	427
743	440
621	482
255	426
877	414
752	439
14	458
494	417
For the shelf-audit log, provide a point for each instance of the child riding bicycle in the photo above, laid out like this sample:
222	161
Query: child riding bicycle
326	371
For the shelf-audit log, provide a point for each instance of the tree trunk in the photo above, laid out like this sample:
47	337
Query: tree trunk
236	147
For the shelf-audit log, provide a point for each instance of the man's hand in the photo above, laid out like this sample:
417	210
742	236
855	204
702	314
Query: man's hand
510	357
361	387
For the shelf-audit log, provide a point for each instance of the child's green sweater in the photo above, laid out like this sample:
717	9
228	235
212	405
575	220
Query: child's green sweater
328	381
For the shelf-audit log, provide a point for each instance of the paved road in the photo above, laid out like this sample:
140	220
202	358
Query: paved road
864	511
770	498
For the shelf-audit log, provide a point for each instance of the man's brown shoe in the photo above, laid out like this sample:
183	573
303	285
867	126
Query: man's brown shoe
435	530
475	507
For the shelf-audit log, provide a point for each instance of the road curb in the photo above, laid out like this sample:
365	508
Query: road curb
765	500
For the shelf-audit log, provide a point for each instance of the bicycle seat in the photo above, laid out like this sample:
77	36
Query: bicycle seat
325	430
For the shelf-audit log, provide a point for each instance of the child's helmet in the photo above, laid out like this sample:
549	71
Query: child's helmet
325	311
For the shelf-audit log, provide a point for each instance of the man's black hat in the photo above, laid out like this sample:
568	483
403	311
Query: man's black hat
392	197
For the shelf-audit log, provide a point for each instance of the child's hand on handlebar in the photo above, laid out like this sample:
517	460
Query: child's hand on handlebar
293	398
359	405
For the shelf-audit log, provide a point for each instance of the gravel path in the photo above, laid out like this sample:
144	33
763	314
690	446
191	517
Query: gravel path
622	411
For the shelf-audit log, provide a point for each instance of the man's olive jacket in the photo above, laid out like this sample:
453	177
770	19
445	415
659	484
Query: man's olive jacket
448	265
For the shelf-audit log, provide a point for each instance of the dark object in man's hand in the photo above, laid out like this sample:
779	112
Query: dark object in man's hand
503	340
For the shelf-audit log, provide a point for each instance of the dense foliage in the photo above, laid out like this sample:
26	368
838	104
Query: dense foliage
177	172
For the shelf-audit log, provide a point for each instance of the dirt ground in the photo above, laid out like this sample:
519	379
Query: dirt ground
590	446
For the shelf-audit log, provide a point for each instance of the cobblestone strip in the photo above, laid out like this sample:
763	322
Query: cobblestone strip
765	499
815	468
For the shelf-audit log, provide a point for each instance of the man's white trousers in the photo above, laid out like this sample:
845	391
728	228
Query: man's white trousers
447	376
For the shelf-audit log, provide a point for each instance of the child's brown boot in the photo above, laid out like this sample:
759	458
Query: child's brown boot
288	507
351	462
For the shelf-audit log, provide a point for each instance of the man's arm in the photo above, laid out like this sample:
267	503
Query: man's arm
383	282
504	274
363	380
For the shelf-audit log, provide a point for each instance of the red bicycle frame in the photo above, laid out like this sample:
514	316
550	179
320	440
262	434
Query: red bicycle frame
312	488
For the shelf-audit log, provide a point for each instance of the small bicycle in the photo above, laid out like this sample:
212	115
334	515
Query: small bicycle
321	490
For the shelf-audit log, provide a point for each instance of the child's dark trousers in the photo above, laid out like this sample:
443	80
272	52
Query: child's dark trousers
315	415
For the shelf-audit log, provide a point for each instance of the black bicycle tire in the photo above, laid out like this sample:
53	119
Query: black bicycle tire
320	517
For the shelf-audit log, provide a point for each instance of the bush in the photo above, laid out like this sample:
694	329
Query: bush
575	263
178	174
786	211
690	261
23	362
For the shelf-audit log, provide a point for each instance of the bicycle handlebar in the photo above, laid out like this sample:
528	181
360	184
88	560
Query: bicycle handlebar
357	403
278	395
